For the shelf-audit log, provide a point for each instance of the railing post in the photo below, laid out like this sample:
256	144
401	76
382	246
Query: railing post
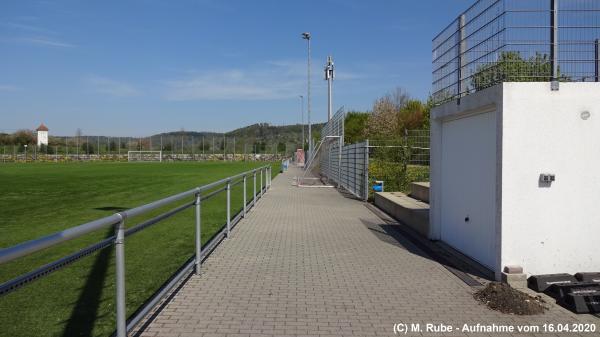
228	207
254	188
597	61
554	43
244	209
341	145
366	168
462	49
261	184
120	277
198	233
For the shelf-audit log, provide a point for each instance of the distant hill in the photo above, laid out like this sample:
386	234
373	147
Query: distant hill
264	131
260	137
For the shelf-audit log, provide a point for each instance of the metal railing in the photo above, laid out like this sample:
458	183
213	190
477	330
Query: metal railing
118	221
332	136
498	41
352	171
345	165
335	126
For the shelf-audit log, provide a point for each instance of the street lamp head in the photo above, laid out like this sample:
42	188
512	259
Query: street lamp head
306	35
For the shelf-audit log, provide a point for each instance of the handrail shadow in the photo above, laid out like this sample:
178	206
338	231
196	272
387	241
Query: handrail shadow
85	312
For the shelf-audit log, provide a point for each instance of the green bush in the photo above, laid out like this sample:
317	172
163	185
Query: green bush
396	177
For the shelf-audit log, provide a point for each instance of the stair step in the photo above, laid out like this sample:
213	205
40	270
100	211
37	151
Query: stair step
420	191
410	211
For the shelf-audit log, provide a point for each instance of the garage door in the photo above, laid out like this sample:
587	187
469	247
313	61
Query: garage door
468	186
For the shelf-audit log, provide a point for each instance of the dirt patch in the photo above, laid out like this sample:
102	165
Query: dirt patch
502	297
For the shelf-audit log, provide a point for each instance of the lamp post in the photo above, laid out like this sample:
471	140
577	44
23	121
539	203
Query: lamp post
302	116
306	36
25	152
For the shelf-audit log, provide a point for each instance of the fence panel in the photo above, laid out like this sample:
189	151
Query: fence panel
347	167
355	168
497	41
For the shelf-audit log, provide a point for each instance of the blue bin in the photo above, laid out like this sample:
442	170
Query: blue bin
378	187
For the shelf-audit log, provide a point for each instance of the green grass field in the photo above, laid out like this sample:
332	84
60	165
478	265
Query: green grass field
79	300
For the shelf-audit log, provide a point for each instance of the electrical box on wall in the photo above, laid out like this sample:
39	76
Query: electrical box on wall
547	178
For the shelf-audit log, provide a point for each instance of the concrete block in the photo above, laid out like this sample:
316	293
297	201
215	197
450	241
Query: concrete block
513	269
411	212
420	191
517	281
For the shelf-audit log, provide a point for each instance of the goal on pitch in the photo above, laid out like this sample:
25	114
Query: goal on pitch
144	156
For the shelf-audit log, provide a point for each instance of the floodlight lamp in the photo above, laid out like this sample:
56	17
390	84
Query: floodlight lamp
306	36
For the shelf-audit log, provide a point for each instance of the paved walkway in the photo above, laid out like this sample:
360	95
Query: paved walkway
310	262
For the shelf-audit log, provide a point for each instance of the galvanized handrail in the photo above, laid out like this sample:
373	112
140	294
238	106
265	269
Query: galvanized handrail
118	220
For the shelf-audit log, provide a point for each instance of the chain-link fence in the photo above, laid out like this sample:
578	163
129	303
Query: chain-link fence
174	148
398	162
498	41
413	147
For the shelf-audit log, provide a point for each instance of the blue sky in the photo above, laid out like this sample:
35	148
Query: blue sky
139	67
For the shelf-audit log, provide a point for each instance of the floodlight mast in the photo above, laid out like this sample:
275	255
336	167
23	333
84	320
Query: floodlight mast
306	36
329	76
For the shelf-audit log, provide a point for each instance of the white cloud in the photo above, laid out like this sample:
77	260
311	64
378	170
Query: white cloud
42	41
273	81
8	87
111	87
25	27
233	85
26	33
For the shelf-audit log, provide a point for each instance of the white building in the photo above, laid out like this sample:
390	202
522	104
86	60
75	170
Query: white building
42	135
494	157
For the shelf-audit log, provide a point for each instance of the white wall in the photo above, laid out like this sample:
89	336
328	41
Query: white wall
543	229
557	228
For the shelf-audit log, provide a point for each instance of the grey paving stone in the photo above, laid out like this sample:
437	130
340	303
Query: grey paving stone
307	261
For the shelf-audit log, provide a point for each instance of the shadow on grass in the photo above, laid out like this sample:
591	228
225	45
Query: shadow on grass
111	208
85	311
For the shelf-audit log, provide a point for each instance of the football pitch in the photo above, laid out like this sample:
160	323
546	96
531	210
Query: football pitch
79	300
